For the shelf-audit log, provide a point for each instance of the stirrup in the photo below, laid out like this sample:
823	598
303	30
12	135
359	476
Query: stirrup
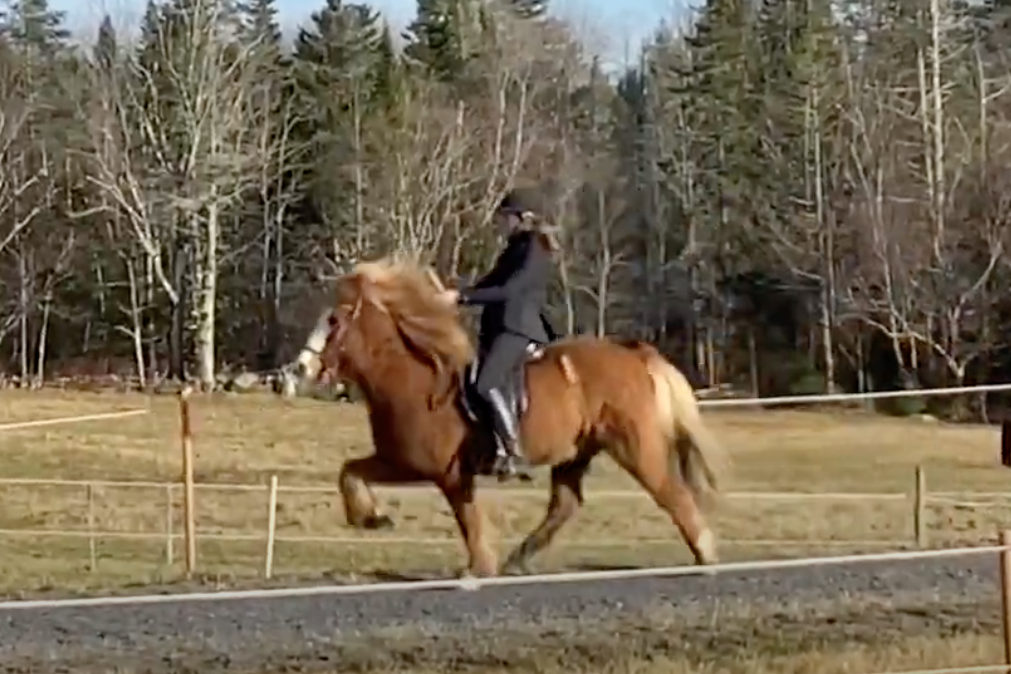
509	466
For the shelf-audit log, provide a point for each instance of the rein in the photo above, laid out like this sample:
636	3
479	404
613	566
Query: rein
342	330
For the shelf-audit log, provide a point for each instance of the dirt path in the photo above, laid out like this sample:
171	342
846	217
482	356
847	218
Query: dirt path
392	630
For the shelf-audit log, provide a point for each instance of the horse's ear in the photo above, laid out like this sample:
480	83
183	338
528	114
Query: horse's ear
435	280
367	290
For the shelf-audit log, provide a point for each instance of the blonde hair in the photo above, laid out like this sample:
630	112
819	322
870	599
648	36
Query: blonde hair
545	232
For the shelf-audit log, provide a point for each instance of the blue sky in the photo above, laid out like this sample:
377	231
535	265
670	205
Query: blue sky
614	25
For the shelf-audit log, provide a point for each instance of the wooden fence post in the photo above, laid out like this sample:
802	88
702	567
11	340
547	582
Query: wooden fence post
1005	443
1005	592
92	545
188	504
268	559
169	528
920	508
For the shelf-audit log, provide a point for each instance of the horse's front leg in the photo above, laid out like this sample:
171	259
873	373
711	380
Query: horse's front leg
356	478
462	499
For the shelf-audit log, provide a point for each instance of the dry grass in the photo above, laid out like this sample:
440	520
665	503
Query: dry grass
911	654
244	439
845	637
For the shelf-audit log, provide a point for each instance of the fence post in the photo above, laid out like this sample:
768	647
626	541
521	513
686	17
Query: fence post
169	552
268	559
1005	592
92	546
188	505
1005	443
920	508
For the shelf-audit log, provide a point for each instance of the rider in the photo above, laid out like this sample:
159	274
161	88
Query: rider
513	295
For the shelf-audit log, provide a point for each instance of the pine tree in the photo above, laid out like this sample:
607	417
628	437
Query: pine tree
443	37
260	35
32	25
387	72
722	84
258	24
338	60
150	25
340	43
106	49
528	9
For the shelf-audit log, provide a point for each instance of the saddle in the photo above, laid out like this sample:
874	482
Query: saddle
516	394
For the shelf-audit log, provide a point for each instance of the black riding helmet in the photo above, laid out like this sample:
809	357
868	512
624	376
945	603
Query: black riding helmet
519	201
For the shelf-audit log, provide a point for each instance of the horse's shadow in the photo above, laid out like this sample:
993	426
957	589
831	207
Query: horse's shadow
398	577
599	567
412	577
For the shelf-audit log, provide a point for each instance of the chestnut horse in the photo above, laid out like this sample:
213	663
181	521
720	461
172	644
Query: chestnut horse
391	334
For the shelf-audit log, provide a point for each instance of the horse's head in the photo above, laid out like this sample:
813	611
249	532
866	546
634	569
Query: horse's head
329	340
384	312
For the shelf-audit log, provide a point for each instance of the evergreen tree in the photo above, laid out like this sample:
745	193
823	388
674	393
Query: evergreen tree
721	81
258	25
443	37
106	48
528	9
339	46
33	25
150	27
387	75
337	62
260	35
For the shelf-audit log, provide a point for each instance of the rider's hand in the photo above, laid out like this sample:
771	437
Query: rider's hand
449	297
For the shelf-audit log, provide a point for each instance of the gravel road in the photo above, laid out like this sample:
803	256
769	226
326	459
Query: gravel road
254	635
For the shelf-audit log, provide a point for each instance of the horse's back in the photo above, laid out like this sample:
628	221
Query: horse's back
598	364
606	353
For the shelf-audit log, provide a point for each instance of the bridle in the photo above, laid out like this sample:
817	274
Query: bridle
342	330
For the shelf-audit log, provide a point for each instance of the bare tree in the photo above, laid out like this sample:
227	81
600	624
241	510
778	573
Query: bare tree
178	151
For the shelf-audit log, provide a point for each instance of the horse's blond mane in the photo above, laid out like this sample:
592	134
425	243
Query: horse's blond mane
405	291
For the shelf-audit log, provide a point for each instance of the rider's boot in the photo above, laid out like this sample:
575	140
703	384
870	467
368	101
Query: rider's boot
510	461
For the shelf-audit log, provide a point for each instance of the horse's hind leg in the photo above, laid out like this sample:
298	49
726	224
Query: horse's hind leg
566	498
355	479
650	466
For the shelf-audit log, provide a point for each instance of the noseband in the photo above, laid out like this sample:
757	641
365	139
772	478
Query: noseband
342	330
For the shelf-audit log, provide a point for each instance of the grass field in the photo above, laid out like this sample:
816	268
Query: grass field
245	439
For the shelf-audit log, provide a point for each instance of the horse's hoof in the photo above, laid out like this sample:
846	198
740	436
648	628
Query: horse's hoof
377	522
516	568
468	581
705	549
518	561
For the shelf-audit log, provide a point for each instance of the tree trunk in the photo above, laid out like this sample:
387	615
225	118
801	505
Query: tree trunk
207	299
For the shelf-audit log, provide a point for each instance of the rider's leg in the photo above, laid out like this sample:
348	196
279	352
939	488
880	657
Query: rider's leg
504	356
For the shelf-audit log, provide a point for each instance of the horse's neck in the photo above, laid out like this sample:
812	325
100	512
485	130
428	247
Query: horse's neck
404	386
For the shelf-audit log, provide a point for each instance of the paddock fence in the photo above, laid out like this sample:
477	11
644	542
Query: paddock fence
914	506
914	524
918	499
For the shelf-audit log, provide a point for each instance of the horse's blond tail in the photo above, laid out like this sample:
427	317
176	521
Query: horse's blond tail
701	459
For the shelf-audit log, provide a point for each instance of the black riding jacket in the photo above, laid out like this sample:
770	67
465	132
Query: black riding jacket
514	292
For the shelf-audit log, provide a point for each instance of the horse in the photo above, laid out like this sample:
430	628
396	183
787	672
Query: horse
390	334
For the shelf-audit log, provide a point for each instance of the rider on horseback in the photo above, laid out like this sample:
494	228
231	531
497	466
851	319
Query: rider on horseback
513	295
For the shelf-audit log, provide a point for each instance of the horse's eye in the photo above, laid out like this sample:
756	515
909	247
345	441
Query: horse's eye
332	320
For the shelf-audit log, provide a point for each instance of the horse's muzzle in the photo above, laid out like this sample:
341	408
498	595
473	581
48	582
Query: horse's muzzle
307	367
